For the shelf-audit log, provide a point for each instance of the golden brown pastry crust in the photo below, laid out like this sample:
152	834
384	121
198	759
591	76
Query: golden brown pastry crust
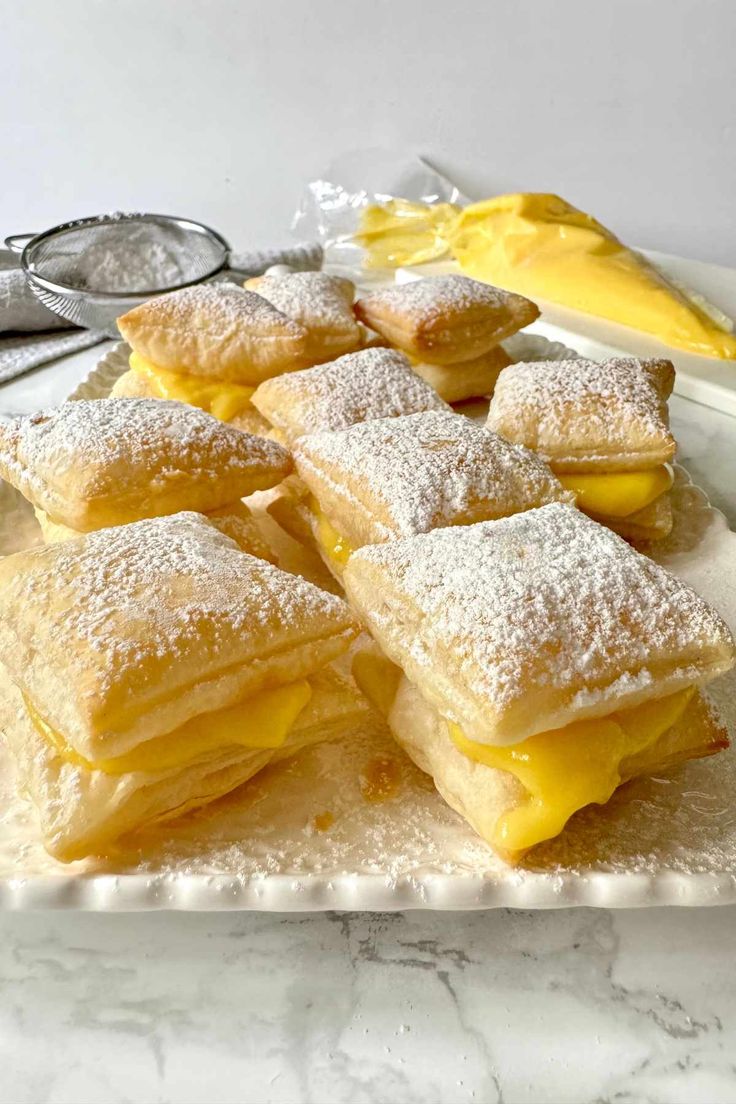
467	379
585	416
322	304
101	462
526	624
215	330
395	477
444	319
372	383
127	633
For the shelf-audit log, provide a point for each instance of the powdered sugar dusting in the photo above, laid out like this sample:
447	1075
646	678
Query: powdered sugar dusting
314	299
371	383
107	445
218	309
545	600
428	470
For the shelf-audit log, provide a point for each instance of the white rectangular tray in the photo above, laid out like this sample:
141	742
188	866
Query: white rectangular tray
669	840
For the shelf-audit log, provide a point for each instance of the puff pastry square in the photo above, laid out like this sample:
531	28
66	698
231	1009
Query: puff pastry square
522	625
585	416
215	330
372	383
128	633
322	304
444	319
395	477
100	462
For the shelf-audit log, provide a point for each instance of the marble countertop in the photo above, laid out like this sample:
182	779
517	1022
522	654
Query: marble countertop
569	1006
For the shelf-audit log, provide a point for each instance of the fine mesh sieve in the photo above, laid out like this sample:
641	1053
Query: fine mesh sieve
93	270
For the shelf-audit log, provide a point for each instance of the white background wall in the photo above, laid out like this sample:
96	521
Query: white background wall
223	109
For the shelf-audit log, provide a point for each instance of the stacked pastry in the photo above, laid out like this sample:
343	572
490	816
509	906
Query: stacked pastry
604	430
358	387
91	464
150	668
210	346
387	478
532	664
451	328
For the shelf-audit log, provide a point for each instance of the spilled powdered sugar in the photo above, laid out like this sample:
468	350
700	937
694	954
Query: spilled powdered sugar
430	469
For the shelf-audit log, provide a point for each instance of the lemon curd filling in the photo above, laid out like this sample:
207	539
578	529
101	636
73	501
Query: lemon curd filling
224	400
568	768
260	722
333	545
618	494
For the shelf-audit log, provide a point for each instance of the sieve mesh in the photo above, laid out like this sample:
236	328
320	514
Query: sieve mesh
94	270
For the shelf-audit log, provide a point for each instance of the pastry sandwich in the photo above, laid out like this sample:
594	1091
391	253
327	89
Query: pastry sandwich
604	430
210	346
154	667
450	327
95	463
322	304
394	477
531	665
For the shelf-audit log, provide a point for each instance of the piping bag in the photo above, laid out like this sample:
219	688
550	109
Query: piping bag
541	246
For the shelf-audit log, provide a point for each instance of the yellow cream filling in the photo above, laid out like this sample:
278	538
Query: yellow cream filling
562	770
335	547
568	768
618	494
260	722
224	400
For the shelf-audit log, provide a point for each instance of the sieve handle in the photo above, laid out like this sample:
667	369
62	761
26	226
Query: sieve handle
16	242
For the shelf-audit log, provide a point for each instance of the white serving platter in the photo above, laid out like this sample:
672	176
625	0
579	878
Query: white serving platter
660	841
705	380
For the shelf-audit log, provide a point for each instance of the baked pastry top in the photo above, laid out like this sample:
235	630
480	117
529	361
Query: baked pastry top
582	415
443	319
101	462
371	383
322	304
127	633
394	477
523	625
215	330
